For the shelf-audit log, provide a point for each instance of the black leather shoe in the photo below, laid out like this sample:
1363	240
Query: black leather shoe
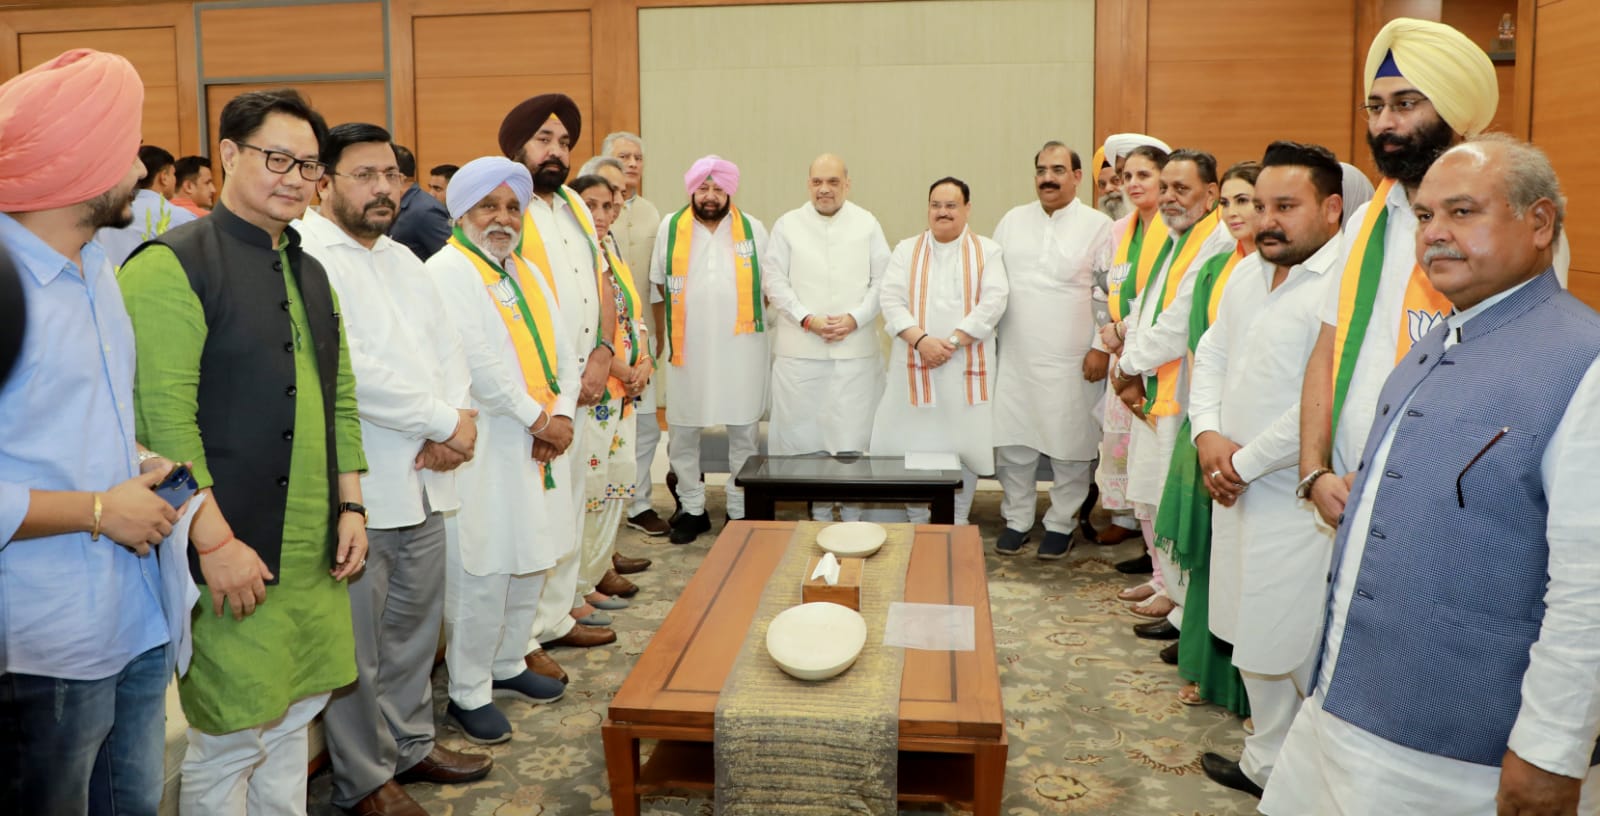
1169	655
1140	565
1228	774
686	527
1156	630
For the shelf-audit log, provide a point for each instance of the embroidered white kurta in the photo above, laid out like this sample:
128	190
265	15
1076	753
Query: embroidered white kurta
1269	559
723	379
510	524
949	423
411	370
1041	399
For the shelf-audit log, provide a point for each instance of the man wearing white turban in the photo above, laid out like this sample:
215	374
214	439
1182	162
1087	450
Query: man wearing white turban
707	261
515	520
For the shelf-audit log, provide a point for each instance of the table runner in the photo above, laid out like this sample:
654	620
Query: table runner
787	747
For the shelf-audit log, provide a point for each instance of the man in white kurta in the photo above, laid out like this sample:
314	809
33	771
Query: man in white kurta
824	266
513	527
1245	417
1043	406
557	238
1157	333
718	374
943	295
411	388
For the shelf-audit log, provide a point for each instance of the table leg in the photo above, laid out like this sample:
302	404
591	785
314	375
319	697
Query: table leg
944	508
989	782
622	768
759	504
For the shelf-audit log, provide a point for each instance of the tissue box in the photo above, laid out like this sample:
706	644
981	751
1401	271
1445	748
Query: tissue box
845	593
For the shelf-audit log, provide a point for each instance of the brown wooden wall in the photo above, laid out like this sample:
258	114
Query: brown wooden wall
1226	76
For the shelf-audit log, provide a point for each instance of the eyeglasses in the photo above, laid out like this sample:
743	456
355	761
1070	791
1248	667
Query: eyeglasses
281	163
367	177
1400	106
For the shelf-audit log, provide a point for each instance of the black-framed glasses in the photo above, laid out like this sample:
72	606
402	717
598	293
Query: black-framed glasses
1402	106
281	163
370	177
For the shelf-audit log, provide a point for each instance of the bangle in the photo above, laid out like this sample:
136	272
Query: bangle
94	532
540	429
213	549
147	455
919	341
606	344
805	322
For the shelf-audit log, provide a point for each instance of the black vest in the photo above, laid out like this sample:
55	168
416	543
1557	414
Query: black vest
246	398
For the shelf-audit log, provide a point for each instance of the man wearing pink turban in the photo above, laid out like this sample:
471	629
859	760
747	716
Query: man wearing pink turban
707	261
84	661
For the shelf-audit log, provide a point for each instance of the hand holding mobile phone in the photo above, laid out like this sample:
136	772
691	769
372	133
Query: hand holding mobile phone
178	486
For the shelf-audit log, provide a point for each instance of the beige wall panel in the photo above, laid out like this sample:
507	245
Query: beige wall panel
458	119
906	92
1190	106
455	46
1564	66
335	38
152	52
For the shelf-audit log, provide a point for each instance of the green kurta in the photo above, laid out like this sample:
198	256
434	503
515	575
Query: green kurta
299	642
1183	528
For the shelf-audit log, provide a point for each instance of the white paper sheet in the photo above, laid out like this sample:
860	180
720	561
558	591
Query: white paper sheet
178	590
933	627
927	460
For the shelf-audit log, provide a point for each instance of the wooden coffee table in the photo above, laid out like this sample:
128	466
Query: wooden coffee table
952	726
768	480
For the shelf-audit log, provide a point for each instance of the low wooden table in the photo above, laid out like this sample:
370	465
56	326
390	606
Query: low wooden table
952	726
768	480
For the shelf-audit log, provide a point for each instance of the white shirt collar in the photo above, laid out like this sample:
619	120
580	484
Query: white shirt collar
326	232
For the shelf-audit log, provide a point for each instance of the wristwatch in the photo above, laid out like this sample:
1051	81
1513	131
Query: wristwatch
1303	490
352	507
955	341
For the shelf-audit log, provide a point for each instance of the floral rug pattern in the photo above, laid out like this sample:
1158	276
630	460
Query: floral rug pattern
1094	720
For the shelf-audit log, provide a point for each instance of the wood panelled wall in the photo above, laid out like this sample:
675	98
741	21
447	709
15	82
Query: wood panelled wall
1566	61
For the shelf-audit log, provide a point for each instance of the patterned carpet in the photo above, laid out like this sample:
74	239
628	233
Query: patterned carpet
1095	723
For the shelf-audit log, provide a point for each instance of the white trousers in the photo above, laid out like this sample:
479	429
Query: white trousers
923	514
486	622
1016	468
552	620
1274	701
257	771
599	542
683	450
821	406
647	435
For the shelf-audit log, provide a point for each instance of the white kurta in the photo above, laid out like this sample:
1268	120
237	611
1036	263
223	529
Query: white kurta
572	267
1153	341
723	379
1269	559
949	423
509	523
1331	766
1041	399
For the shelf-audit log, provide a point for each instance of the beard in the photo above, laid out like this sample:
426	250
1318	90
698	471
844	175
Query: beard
359	221
112	208
1284	253
550	176
1416	154
1114	204
711	210
1181	220
484	239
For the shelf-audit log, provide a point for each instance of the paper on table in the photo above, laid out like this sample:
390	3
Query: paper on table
827	569
930	460
934	627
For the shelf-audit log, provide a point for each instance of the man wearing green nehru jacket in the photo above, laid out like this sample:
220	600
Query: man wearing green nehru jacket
243	370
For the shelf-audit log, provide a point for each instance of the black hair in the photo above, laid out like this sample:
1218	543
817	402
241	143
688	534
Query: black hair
245	113
340	137
1077	162
1203	161
966	192
405	161
446	170
1247	170
1151	153
1326	174
582	183
188	168
154	160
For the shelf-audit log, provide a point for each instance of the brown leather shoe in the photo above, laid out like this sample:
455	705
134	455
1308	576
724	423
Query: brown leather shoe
540	662
443	766
650	523
628	566
585	636
616	586
389	800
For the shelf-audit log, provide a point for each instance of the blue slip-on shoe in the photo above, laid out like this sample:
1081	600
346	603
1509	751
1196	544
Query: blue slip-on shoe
1055	545
611	604
596	618
484	725
1010	542
535	688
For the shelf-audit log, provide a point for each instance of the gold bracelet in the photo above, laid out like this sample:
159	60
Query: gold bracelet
94	532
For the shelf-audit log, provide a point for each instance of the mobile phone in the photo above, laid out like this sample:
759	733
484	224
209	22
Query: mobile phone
178	486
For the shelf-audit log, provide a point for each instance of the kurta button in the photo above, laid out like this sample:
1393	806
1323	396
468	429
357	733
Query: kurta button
284	305
1385	411
289	392
1423	359
1412	412
1391	474
289	346
1378	534
289	434
283	481
277	266
1364	594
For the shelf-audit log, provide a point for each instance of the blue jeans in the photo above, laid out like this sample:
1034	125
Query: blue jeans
70	747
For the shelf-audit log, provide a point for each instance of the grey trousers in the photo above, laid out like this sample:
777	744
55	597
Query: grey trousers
383	723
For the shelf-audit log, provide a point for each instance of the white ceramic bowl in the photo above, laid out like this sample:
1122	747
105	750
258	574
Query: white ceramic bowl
816	641
852	539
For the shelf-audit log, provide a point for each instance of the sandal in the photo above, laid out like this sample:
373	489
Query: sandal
1137	594
1158	606
1190	695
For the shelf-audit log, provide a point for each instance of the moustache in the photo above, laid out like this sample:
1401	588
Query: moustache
499	230
1049	185
1272	235
1438	252
552	164
380	201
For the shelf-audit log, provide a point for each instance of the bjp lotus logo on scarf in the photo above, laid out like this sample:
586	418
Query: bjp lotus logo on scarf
745	248
504	293
1420	323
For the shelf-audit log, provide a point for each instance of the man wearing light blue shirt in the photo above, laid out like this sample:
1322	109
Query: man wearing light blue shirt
83	668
